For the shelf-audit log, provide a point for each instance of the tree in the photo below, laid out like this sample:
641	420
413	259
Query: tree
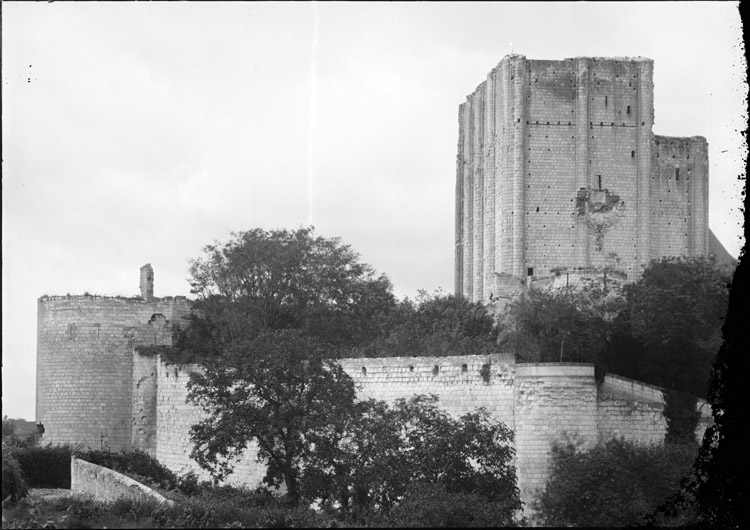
9	428
676	311
279	390
372	464
282	279
559	325
435	325
619	483
717	485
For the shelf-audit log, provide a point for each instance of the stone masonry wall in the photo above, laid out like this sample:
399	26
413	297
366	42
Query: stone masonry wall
679	195
543	403
144	403
175	416
552	403
558	167
635	411
106	485
85	373
457	381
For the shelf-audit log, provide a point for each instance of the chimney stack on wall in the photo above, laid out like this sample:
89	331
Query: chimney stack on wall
147	282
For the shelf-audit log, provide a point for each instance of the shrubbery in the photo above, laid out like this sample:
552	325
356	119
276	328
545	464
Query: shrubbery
213	508
133	462
14	486
620	483
431	506
44	467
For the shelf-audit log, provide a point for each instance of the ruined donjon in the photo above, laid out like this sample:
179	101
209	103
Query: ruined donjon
558	169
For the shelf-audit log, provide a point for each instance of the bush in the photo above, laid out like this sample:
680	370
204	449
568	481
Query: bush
221	509
188	484
430	505
620	483
45	467
14	486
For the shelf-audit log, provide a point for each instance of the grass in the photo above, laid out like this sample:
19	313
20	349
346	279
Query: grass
219	508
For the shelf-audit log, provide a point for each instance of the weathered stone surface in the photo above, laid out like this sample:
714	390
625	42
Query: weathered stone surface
535	135
106	485
87	382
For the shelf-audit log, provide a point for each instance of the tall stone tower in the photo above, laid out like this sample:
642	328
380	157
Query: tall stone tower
92	388
558	169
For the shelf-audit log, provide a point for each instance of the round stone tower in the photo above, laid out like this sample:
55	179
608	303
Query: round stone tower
85	368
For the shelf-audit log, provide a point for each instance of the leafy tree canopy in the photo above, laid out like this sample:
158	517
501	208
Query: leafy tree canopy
675	311
663	329
619	483
283	279
434	325
562	325
371	464
279	390
680	301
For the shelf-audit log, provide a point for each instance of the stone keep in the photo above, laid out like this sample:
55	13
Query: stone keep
558	168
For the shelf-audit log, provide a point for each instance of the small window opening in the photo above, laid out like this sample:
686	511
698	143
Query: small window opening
464	368
530	271
677	173
364	371
435	370
632	154
628	111
411	367
605	101
537	208
599	178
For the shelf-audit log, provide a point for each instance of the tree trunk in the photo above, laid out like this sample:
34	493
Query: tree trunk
292	485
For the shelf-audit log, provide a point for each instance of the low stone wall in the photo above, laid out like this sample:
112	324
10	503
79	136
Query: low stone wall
544	403
106	485
635	411
462	383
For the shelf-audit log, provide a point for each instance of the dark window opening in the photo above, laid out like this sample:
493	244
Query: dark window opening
364	371
464	368
628	109
677	173
411	367
599	178
530	271
537	208
632	154
605	101
435	370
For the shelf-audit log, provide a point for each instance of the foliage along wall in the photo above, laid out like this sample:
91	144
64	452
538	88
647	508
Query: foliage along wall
542	402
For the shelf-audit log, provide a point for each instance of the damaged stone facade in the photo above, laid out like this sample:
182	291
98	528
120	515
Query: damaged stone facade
558	168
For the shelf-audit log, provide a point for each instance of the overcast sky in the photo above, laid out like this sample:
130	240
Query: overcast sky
138	133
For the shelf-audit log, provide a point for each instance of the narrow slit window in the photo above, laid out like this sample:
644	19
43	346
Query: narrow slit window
677	173
605	101
599	178
628	109
530	271
632	154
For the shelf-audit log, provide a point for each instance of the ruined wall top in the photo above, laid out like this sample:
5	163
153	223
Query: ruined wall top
147	282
